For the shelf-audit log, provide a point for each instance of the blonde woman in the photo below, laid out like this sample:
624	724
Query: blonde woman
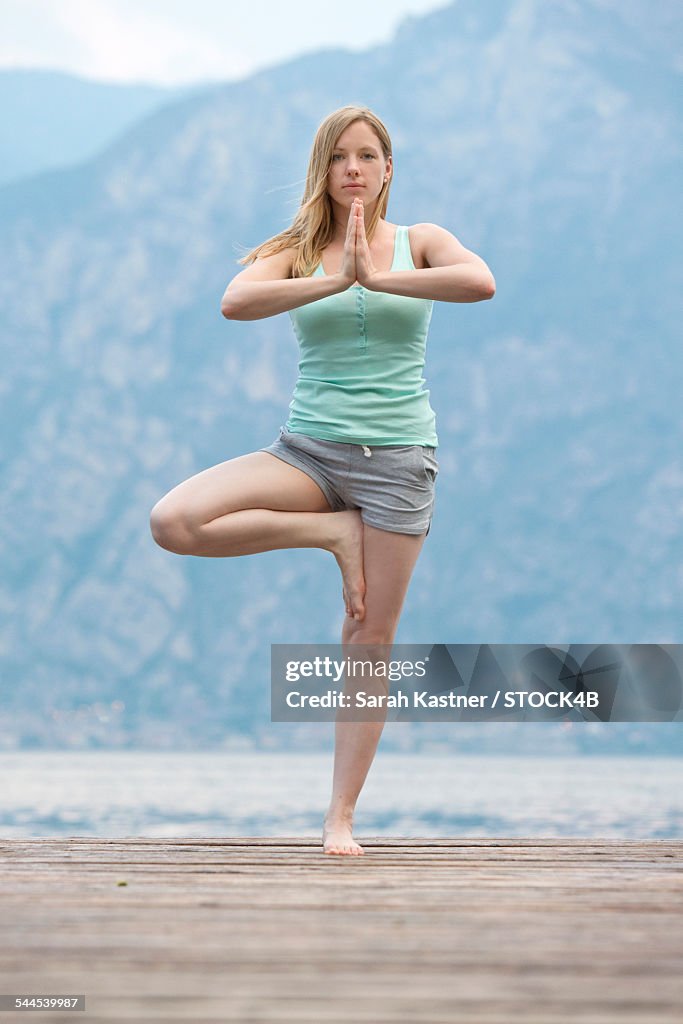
354	467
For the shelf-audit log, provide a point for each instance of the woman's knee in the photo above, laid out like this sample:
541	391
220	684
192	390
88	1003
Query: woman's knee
372	635
169	530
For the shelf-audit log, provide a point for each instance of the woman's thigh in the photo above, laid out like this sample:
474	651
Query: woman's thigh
256	480
388	563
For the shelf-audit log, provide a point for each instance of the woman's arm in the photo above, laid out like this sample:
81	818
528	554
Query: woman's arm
453	273
265	288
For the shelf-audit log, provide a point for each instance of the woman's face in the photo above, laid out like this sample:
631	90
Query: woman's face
357	158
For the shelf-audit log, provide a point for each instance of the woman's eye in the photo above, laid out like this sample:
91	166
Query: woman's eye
371	155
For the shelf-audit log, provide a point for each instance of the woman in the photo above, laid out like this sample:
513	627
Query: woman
353	470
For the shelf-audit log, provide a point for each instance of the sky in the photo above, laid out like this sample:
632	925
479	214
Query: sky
175	42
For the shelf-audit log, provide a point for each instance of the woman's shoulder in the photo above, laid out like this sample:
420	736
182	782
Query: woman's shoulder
436	246
271	266
281	261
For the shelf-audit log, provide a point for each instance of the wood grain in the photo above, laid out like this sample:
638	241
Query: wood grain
480	931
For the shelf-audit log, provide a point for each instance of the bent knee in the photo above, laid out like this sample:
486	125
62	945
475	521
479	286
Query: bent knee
169	530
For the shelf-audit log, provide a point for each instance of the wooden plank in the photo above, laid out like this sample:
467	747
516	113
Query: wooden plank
270	930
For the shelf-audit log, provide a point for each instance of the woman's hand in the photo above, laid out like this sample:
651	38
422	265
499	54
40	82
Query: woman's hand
365	269
348	267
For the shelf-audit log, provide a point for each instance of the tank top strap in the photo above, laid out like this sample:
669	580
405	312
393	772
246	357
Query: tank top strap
404	259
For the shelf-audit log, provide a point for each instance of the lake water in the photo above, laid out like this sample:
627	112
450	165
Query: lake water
189	794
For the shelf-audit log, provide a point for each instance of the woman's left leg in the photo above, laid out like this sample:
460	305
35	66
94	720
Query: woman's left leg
388	560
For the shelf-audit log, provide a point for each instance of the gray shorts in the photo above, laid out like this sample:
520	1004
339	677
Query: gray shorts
392	484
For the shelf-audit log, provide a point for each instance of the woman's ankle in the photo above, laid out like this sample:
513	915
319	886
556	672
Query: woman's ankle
339	815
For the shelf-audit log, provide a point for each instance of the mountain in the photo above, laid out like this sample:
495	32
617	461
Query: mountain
54	119
546	137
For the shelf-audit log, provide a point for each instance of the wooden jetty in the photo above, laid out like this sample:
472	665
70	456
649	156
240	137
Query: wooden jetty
478	931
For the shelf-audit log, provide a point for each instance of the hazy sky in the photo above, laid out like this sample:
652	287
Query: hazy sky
179	41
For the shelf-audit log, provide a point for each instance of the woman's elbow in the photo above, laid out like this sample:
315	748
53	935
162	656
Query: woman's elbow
229	307
489	287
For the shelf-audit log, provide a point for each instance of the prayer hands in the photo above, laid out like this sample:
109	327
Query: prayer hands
365	269
357	262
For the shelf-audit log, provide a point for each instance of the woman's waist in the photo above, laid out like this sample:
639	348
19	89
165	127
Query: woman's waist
339	415
360	387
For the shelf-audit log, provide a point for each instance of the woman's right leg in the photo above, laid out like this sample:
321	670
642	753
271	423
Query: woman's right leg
255	503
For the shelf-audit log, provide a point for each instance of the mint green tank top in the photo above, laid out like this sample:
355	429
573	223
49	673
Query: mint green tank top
362	355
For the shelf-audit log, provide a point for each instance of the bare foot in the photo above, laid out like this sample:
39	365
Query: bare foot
348	550
337	838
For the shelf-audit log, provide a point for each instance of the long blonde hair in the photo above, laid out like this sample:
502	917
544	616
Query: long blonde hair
313	226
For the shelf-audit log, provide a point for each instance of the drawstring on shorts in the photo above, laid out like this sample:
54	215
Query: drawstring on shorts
366	451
